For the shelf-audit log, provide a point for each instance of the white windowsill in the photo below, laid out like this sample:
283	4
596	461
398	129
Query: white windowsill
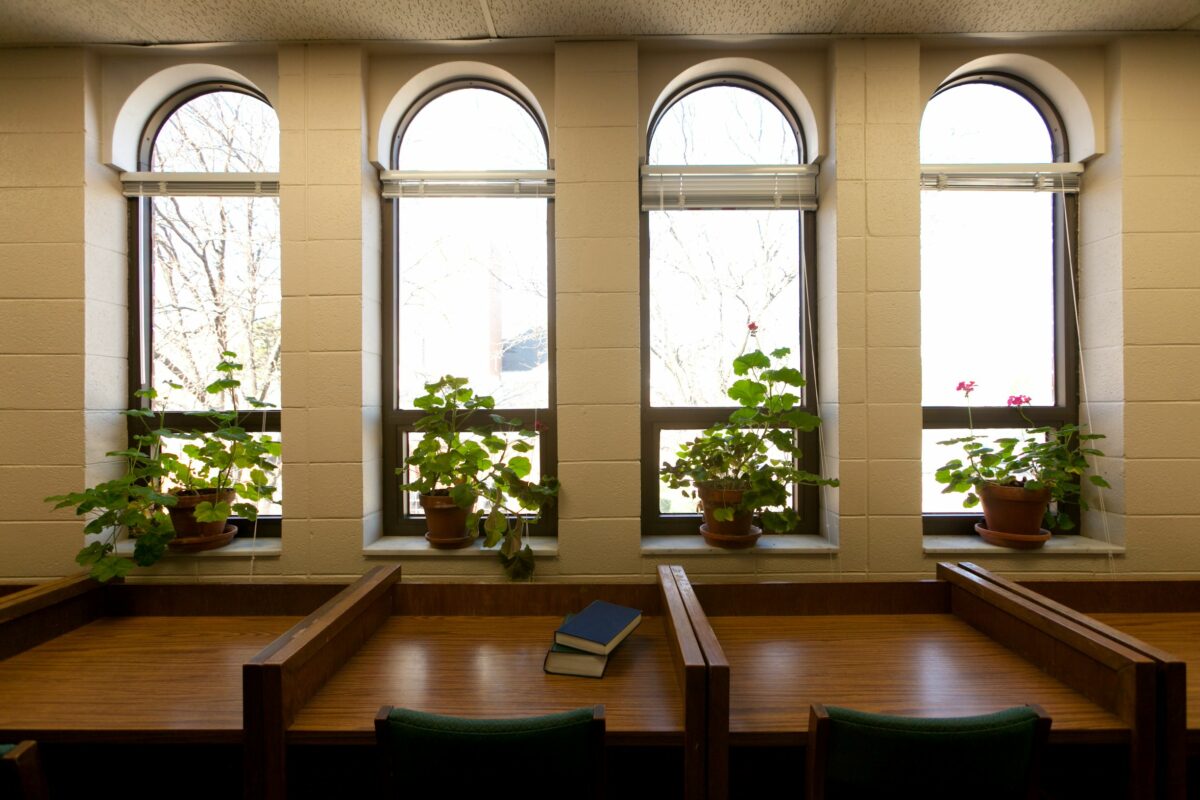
542	546
770	543
265	547
1057	546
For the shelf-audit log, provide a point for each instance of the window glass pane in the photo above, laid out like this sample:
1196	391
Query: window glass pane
981	123
723	125
934	455
472	295
413	439
472	129
987	296
219	132
711	274
216	288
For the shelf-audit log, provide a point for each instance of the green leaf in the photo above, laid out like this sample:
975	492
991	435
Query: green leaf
521	466
1099	481
747	392
748	361
463	495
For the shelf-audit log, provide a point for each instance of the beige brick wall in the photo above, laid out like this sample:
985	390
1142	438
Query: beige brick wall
43	313
62	315
596	234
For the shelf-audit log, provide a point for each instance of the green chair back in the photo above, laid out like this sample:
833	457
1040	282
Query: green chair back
554	756
854	754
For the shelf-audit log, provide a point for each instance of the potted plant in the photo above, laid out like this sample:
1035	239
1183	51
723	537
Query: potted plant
1022	483
217	460
749	464
457	469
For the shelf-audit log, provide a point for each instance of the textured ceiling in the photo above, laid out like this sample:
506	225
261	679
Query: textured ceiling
169	21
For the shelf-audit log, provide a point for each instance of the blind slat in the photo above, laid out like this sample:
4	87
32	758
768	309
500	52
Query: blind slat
784	187
200	184
420	183
1002	177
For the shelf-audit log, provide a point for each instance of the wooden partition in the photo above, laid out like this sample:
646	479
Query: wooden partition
953	646
87	669
476	650
278	681
1156	607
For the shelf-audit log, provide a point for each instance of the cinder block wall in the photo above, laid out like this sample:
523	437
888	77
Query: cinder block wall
62	315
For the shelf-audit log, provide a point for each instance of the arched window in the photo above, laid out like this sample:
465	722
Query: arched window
997	223
727	205
470	207
206	276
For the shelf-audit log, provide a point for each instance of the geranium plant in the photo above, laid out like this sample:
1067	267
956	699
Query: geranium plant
166	461
756	452
1054	459
479	465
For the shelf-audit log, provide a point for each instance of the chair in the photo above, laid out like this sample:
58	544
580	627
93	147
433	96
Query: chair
21	776
856	754
552	756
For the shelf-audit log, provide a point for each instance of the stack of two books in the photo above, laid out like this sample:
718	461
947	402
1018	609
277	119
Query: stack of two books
583	643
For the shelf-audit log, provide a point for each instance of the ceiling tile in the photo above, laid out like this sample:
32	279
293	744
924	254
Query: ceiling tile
289	20
997	16
630	17
53	21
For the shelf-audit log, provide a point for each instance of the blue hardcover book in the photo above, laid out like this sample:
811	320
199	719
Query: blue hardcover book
598	628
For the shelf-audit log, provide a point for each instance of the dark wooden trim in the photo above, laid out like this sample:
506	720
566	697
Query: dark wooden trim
519	599
817	751
717	694
867	597
690	673
217	599
282	677
1094	596
1171	710
1115	677
21	774
40	613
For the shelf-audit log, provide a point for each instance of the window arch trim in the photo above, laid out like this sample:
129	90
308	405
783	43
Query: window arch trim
177	101
749	84
453	85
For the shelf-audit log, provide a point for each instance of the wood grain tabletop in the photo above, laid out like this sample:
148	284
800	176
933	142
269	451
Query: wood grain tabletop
1176	632
491	667
166	678
910	664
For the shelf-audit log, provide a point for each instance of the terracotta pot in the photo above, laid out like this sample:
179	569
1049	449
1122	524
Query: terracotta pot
446	522
185	525
712	499
1013	509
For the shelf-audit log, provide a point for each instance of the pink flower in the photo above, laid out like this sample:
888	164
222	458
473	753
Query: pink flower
752	327
1018	400
539	426
966	387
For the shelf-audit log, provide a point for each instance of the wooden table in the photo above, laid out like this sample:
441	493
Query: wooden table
135	679
489	667
951	647
476	651
88	669
1160	619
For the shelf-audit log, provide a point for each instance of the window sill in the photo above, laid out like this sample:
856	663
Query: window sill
266	547
771	543
542	546
1057	546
